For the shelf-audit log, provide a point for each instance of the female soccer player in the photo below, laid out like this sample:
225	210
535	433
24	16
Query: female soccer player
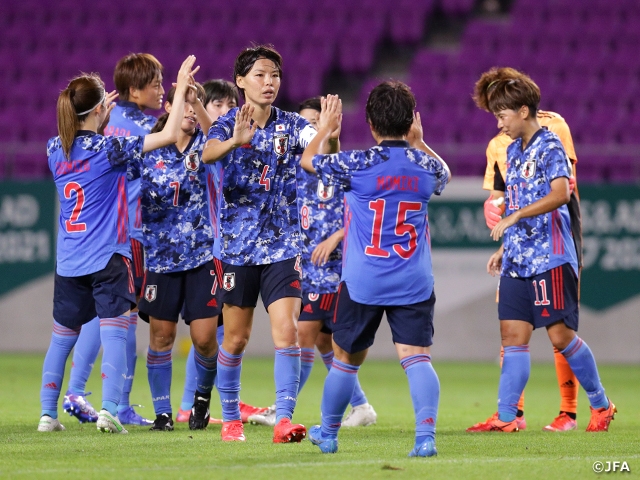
180	275
537	262
387	267
258	237
93	268
494	182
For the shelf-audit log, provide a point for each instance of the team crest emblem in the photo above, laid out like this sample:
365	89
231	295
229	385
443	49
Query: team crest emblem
528	169
192	162
325	193
229	281
150	293
281	143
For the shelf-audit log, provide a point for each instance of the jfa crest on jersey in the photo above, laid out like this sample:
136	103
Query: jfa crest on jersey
175	211
258	215
321	210
537	244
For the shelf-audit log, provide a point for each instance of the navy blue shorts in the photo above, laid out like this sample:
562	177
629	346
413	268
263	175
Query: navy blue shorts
107	294
542	300
241	285
194	293
355	324
319	306
137	264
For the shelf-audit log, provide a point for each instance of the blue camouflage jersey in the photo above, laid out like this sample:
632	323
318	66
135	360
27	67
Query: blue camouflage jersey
91	184
127	119
177	233
537	244
257	210
321	210
386	248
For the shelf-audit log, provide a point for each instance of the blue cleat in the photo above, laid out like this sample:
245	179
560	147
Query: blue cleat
78	406
327	445
425	449
128	416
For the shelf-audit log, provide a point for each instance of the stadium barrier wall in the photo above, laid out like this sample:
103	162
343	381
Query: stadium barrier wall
466	325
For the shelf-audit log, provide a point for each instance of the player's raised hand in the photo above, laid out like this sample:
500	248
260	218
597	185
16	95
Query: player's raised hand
331	114
494	265
185	74
415	135
321	253
243	130
109	105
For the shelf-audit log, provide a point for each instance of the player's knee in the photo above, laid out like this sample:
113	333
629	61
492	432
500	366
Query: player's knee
235	343
205	346
162	335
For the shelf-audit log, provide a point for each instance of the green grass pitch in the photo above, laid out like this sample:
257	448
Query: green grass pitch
468	395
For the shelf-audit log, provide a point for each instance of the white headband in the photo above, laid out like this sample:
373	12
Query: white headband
96	106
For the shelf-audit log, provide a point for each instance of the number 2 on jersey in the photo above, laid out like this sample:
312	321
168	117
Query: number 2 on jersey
72	225
402	228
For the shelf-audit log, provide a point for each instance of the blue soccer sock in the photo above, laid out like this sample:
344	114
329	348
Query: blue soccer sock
229	370
206	369
307	355
113	334
85	353
583	364
159	370
516	367
189	382
132	358
286	371
327	359
62	341
425	394
219	339
338	389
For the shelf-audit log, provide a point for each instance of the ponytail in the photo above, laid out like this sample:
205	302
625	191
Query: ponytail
75	103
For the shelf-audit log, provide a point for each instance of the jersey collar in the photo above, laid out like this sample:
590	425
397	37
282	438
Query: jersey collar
84	133
189	145
394	143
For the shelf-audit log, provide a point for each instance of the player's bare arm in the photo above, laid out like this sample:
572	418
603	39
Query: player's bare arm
494	265
329	123
169	133
558	196
243	132
320	254
416	140
109	102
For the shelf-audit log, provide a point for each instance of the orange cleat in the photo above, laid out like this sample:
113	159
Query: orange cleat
521	422
562	423
247	410
183	417
286	432
232	431
601	418
494	424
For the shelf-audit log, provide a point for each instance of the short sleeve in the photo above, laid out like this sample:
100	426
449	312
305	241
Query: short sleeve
556	162
304	133
438	170
123	150
134	168
222	128
337	168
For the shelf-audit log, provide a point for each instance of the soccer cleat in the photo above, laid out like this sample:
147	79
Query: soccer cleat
199	418
128	416
162	423
521	422
78	406
286	432
601	418
248	410
267	418
108	423
494	424
48	424
326	445
562	423
360	416
232	431
183	417
425	449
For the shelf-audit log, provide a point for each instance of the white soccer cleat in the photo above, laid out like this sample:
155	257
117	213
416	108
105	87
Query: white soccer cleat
48	424
360	416
268	418
108	423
